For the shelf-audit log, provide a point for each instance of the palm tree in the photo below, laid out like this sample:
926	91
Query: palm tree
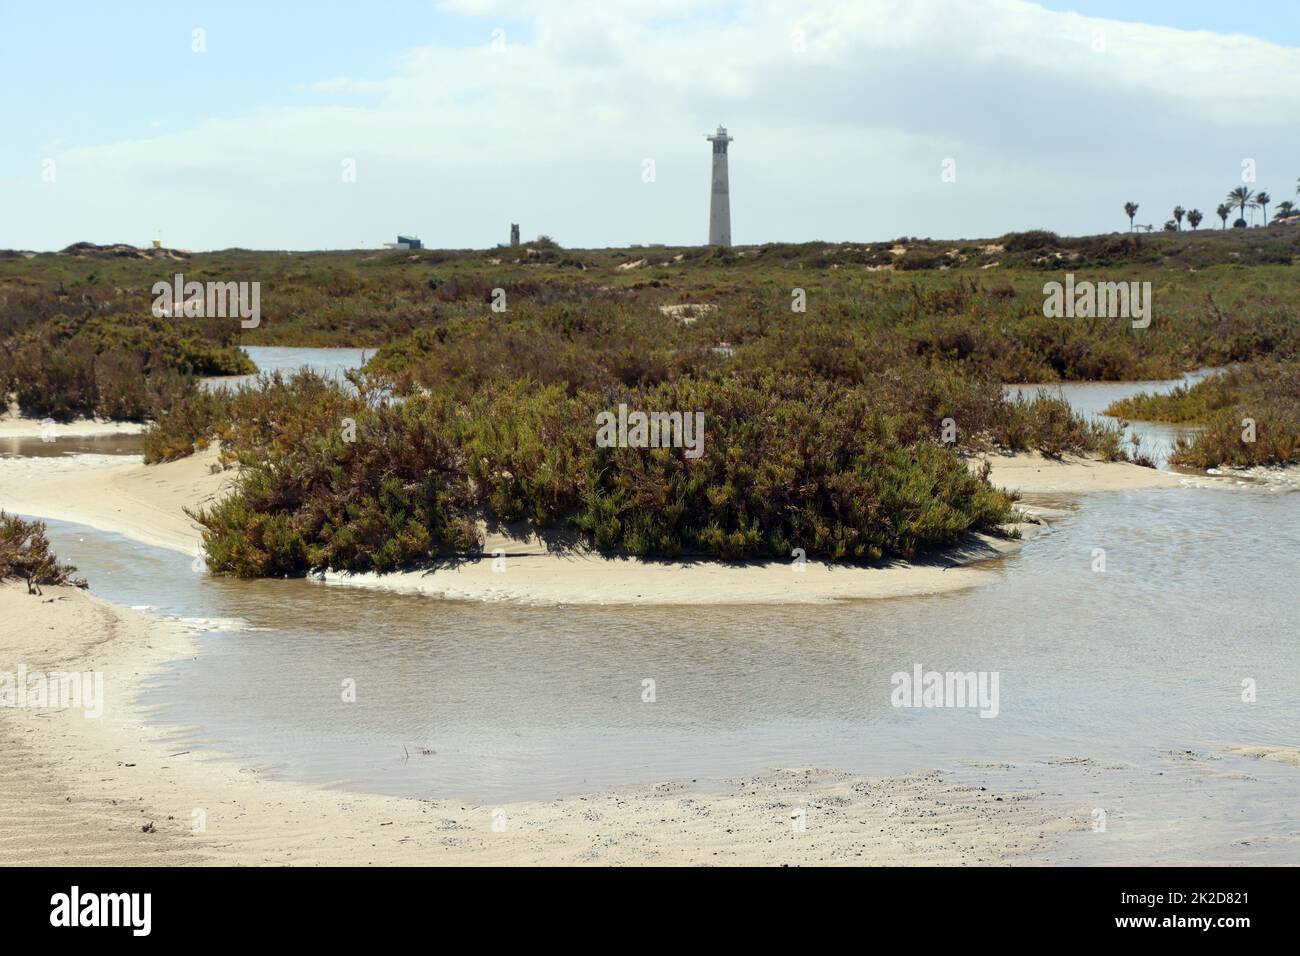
1131	210
1262	199
1285	209
1194	217
1241	197
1179	212
1222	212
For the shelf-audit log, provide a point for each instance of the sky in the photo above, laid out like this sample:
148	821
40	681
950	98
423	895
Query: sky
341	124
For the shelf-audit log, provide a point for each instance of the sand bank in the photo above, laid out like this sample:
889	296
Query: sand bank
146	503
535	576
117	493
83	791
1033	473
527	571
13	425
1287	755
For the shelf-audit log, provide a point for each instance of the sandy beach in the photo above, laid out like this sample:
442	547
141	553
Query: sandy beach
146	503
584	578
1034	473
142	502
110	791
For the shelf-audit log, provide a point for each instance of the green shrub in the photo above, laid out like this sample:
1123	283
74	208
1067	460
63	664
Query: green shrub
25	554
115	366
785	464
824	427
1047	424
1266	394
54	381
1223	439
1035	240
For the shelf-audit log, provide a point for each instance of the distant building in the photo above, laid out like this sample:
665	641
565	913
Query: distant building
405	242
720	193
514	234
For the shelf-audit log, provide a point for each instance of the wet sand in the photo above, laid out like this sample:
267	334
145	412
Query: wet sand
1034	473
142	502
106	791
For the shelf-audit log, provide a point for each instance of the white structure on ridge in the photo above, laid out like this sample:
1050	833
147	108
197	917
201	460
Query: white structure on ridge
720	199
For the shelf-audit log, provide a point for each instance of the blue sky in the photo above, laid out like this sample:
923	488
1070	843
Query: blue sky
843	112
107	72
1275	20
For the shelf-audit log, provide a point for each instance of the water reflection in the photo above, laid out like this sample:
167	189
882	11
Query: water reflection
527	701
32	446
1091	399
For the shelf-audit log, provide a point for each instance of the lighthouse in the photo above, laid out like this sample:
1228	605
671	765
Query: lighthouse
720	198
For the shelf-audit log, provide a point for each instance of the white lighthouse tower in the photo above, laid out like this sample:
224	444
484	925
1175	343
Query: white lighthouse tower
720	199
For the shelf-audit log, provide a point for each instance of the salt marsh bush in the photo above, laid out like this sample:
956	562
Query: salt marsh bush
25	554
784	463
1250	415
114	366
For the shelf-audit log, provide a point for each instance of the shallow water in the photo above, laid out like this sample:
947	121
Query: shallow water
1135	666
1091	399
1118	689
330	362
36	447
525	701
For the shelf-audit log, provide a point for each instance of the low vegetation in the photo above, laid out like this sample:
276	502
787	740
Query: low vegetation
843	385
1248	415
25	555
785	464
119	366
342	478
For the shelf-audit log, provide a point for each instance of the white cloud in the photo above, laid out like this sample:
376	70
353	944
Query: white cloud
842	139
